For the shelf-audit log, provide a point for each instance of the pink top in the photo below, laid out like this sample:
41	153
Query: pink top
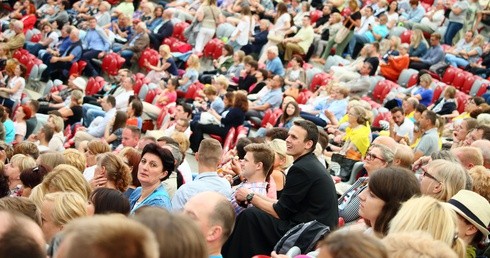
171	98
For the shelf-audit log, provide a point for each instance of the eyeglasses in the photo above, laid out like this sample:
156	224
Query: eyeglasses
425	173
370	156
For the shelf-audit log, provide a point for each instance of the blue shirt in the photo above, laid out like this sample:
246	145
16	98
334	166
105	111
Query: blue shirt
273	97
63	44
337	106
159	198
381	30
414	15
433	56
218	105
9	131
206	181
426	95
275	66
94	41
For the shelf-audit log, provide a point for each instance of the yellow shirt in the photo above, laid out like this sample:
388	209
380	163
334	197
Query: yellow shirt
359	136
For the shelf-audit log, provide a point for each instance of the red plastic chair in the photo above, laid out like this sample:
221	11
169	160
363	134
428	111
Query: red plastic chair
111	63
137	86
438	91
149	55
315	15
36	38
89	90
179	31
461	99
241	131
180	47
150	95
229	140
386	116
192	90
382	89
73	69
482	90
413	80
160	117
267	116
405	36
459	80
468	83
318	80
81	66
169	41
449	75
213	48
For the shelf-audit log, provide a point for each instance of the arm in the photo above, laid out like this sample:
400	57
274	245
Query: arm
66	112
14	89
259	201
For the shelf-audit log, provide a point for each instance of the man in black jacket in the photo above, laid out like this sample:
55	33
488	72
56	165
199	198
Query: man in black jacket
162	31
309	194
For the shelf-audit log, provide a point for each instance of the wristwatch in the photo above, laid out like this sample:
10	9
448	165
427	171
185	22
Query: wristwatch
249	197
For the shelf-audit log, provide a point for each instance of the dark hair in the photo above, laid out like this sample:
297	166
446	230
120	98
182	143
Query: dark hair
240	147
48	132
65	4
111	100
107	201
187	108
277	133
230	96
137	106
174	81
4	185
323	139
393	185
431	115
420	108
240	101
264	73
134	130
299	59
165	156
229	49
486	131
311	131
285	117
35	104
133	156
119	120
397	109
32	177
281	9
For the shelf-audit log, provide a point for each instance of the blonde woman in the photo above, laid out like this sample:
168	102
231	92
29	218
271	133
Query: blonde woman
75	158
416	244
58	209
432	216
333	26
467	57
357	134
91	150
209	16
111	172
17	164
282	162
165	67
51	159
66	178
442	179
73	114
57	123
191	73
418	44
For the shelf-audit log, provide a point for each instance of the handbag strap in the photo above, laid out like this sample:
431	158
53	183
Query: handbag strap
214	17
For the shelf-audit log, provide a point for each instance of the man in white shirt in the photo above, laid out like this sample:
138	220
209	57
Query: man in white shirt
400	126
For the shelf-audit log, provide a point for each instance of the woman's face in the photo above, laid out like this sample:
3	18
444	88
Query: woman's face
12	172
290	109
19	114
429	182
158	12
470	106
150	170
370	205
374	160
460	131
294	63
17	71
48	225
352	117
90	157
393	5
47	29
236	58
90	207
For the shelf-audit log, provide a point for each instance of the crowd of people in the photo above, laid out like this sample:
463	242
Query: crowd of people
108	174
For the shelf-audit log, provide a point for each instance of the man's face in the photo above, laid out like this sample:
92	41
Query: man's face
105	105
365	69
276	82
326	10
180	113
398	117
180	126
121	75
263	25
383	19
424	121
306	21
248	165
270	55
128	139
92	23
73	37
473	136
434	41
468	36
248	68
126	83
296	143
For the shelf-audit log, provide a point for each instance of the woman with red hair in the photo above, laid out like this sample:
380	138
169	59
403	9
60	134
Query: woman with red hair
22	113
29	19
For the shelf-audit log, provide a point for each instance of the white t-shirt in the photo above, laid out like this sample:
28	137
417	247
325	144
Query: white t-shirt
281	22
55	38
244	28
18	94
122	100
405	129
20	129
185	170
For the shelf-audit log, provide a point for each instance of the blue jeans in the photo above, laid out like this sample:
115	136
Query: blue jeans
90	112
313	118
358	38
451	31
456	60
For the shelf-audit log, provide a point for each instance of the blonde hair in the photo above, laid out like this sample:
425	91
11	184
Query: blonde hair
279	147
66	207
37	195
165	48
193	62
405	154
353	244
432	216
417	244
52	159
481	181
427	78
22	162
182	140
418	37
451	175
77	96
115	170
98	147
75	158
58	123
66	178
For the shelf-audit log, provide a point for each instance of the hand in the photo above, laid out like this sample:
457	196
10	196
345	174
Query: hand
241	194
98	181
236	166
32	138
422	161
328	113
82	128
101	54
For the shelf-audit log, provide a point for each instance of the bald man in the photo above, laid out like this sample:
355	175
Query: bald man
215	216
468	156
386	141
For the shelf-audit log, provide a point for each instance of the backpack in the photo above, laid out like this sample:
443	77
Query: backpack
304	235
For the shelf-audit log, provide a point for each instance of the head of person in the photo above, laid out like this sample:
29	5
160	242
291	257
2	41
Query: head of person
56	122
462	129
27	148
478	133
135	108
177	235
183	110
442	179
409	104
75	158
23	206
481	181
115	170
32	177
259	159
20	236
132	157
214	215
209	154
357	116
428	120
108	103
432	216
92	22
435	39
272	52
342	242
377	157
388	188
416	244
107	236
473	212
240	101
66	178
281	159
107	201
94	148
468	156
302	138
60	208
398	115
51	159
155	166
403	156
130	136
193	62
74	34
23	113
17	164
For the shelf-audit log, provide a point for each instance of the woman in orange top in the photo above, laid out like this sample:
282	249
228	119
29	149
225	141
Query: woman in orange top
396	64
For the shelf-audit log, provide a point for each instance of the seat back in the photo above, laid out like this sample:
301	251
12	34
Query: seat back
413	80
229	140
449	75
265	119
459	80
405	36
150	95
438	91
468	83
461	99
318	80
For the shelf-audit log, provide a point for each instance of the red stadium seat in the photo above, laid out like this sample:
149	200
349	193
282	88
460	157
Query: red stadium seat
36	38
413	80
111	63
160	117
449	75
192	90
318	80
459	80
81	66
482	90
468	83
179	31
73	69
315	15
265	119
386	116
438	91
461	99
150	95
304	96
149	55
382	89
229	140
91	86
180	47
137	86
405	36
213	48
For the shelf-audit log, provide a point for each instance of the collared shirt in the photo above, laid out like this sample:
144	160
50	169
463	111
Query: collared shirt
434	55
133	40
405	129
414	15
158	198
97	129
93	41
205	181
273	97
381	30
337	106
122	100
429	143
306	35
275	66
257	187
